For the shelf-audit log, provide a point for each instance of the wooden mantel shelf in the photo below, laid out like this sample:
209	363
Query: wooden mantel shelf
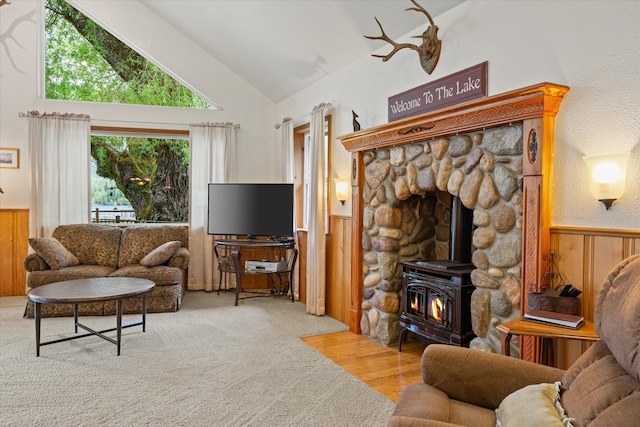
526	103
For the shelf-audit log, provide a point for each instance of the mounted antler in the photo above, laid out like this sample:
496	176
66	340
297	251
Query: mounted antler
3	2
428	51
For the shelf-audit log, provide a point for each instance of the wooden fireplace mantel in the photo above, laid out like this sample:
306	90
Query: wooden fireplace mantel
527	103
536	107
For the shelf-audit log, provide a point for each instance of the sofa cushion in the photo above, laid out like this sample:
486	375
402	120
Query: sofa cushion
139	240
39	278
536	405
161	254
160	275
53	252
93	244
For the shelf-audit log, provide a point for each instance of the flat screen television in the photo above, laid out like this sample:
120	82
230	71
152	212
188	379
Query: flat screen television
253	210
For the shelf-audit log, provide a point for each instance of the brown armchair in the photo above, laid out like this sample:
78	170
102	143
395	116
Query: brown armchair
602	388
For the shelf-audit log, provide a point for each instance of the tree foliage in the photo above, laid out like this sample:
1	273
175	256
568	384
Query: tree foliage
84	62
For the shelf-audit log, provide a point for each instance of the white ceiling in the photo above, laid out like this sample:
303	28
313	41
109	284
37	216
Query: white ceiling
281	47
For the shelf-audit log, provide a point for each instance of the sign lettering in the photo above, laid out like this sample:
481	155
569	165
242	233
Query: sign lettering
462	86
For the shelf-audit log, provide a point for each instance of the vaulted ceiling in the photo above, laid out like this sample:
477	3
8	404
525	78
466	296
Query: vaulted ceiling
281	47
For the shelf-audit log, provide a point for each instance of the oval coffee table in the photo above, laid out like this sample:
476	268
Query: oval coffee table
83	291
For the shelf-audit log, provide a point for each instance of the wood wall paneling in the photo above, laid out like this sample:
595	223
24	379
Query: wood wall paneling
585	257
14	241
338	268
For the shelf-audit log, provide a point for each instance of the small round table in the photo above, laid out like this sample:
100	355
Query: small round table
83	291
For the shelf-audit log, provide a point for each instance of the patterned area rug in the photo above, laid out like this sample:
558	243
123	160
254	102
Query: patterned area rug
209	364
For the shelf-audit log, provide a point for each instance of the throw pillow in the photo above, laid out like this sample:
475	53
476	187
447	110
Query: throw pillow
536	405
161	254
53	252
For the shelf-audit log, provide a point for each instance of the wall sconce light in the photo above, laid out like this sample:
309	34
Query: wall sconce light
342	189
606	176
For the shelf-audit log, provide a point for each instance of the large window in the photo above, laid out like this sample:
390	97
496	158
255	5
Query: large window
137	178
84	62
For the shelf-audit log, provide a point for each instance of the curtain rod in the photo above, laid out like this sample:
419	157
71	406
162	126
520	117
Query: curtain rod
326	106
235	126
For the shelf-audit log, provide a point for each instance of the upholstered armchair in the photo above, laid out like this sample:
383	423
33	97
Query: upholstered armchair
465	387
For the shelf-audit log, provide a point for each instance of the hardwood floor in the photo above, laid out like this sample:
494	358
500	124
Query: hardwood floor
380	367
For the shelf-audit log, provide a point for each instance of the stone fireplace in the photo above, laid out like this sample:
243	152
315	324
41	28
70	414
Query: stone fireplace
493	155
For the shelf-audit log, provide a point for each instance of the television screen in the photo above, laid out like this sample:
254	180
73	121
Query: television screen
251	209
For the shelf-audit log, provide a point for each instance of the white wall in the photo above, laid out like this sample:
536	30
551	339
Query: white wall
241	103
591	46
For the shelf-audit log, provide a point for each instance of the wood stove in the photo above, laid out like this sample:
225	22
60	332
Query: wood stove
436	299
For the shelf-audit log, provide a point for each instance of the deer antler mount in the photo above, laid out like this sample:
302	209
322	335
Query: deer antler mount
428	51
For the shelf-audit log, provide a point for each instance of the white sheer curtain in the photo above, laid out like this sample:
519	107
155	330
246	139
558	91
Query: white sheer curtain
212	159
59	153
286	144
317	209
287	168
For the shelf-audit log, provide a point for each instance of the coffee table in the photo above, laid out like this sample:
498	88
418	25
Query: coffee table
83	291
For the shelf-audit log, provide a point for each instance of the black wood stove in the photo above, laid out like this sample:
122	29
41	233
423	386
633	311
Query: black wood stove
436	299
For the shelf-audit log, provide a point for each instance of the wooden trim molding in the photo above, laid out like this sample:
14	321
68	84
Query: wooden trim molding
527	103
587	231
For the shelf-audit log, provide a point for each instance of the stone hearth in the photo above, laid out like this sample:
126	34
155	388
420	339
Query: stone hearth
484	169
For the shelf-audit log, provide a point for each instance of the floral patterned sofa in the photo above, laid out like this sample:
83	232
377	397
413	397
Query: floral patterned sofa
154	252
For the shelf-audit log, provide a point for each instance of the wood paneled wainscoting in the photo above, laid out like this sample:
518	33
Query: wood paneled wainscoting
584	257
14	241
339	268
338	273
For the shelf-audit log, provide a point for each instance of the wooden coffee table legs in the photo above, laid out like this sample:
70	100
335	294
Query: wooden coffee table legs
118	328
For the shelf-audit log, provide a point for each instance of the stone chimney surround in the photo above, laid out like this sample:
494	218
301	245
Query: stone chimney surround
494	154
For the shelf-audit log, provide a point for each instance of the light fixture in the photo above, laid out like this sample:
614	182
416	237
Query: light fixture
342	189
606	176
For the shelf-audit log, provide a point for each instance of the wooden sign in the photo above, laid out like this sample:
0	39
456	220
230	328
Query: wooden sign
459	87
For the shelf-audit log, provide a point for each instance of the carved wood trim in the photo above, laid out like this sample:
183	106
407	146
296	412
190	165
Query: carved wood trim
531	102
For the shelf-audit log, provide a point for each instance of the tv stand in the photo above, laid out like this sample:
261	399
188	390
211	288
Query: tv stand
228	256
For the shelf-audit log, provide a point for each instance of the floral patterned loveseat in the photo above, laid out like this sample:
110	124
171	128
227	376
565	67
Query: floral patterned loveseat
78	251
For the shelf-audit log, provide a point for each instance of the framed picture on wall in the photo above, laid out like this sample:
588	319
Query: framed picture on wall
9	158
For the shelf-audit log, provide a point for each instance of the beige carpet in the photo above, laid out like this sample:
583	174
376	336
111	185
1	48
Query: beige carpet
210	364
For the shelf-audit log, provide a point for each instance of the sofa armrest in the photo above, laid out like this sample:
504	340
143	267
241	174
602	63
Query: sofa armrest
34	262
180	259
478	377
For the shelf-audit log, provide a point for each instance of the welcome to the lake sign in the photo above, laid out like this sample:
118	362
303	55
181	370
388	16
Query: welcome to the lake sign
462	86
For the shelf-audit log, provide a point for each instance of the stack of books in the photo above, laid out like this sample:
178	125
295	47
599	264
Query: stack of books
554	319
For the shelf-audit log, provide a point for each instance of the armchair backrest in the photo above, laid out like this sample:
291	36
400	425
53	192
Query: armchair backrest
602	388
617	314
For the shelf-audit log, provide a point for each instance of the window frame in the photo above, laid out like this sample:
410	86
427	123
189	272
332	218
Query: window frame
300	134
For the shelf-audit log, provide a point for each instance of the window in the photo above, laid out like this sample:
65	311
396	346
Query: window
301	138
139	178
84	62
